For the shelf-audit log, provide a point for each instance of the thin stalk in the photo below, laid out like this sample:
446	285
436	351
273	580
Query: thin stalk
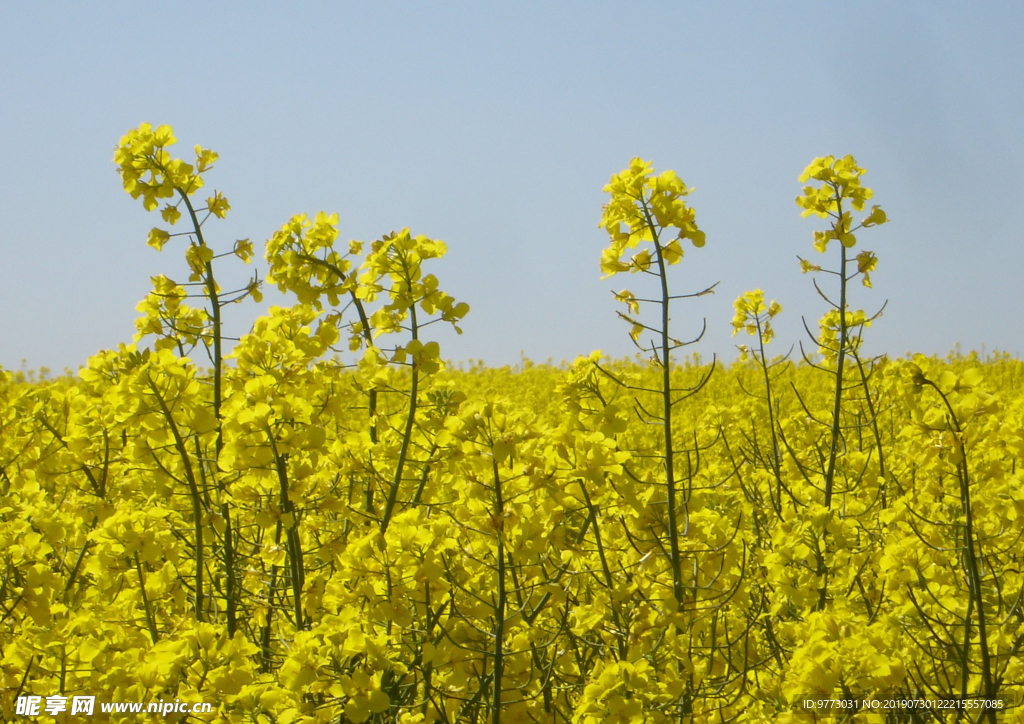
499	606
840	362
666	405
271	590
776	450
214	297
410	419
150	621
294	542
193	489
971	557
230	594
874	422
367	335
608	579
836	410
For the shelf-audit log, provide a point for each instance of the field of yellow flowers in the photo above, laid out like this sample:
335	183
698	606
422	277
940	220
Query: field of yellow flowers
325	523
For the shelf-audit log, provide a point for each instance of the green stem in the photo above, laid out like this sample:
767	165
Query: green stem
499	606
608	579
193	489
836	407
150	622
292	537
776	450
218	372
666	404
271	590
840	362
972	555
410	419
367	335
874	422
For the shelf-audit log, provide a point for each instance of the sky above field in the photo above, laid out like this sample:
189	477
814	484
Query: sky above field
494	127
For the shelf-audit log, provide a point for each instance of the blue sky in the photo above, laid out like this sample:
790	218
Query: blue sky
494	126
